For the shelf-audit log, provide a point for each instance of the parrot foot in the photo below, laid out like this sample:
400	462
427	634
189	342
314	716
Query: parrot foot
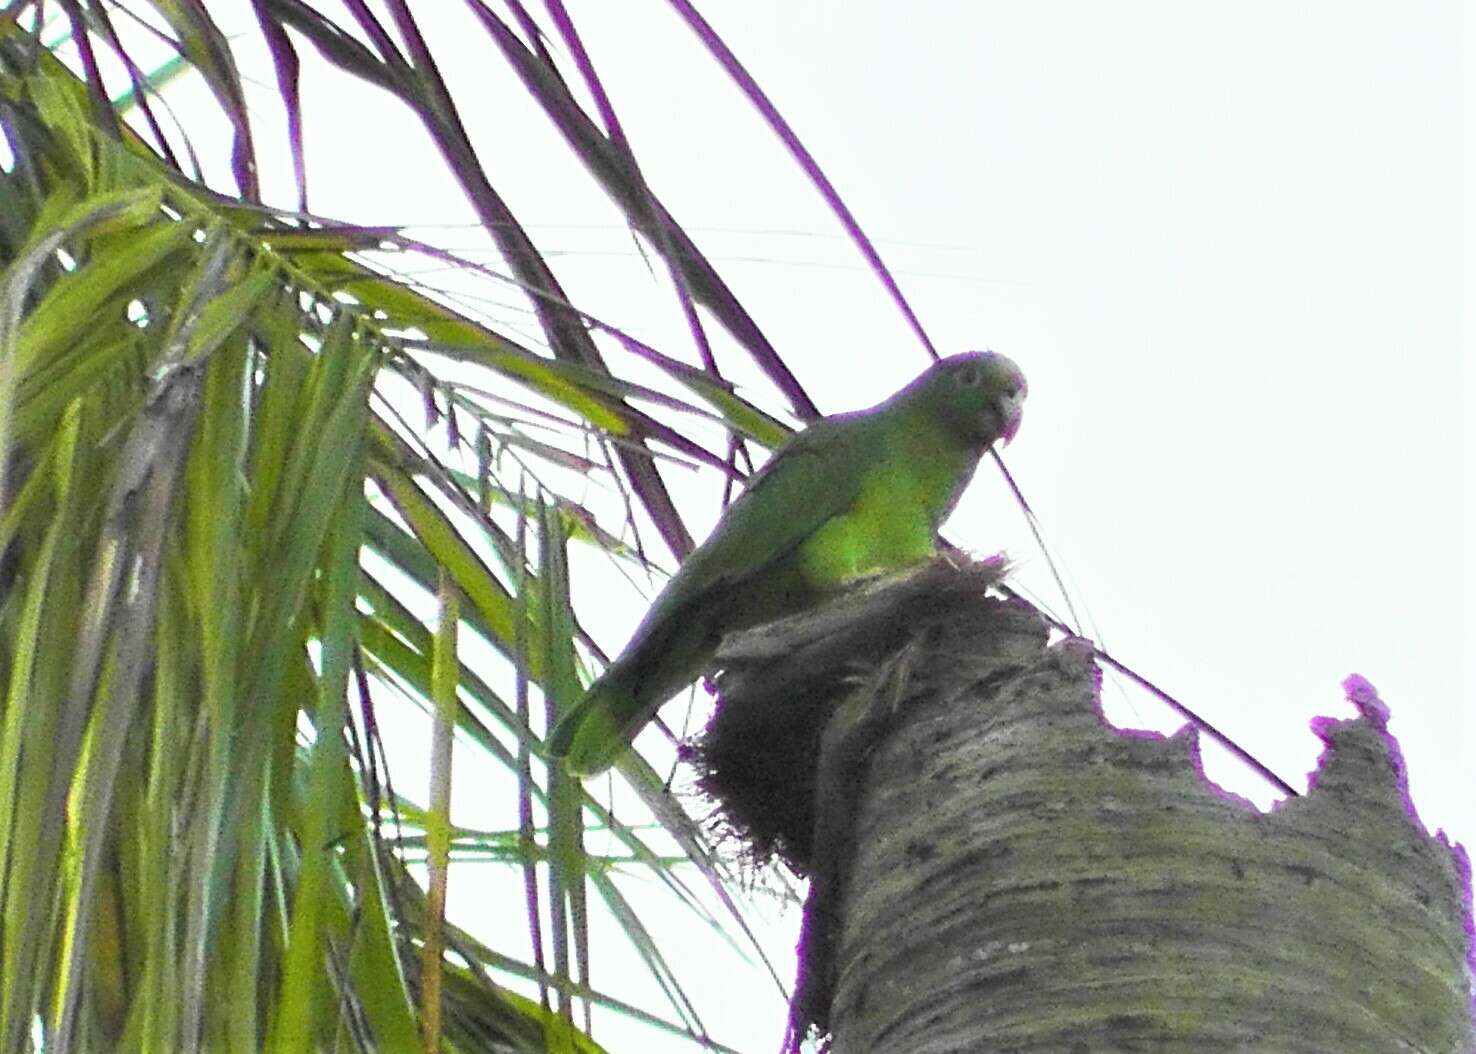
955	558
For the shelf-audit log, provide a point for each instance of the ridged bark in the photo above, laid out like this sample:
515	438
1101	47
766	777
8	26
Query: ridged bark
994	868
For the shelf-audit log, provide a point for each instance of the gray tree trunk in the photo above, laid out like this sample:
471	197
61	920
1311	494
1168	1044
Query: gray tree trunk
996	869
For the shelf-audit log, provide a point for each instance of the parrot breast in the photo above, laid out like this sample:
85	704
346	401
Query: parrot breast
894	521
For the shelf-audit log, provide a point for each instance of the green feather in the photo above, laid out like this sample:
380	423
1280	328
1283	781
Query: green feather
852	495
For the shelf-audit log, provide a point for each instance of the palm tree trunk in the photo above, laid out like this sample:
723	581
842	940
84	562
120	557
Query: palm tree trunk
995	868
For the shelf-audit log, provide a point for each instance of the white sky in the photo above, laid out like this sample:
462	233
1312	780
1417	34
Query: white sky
1224	244
1224	241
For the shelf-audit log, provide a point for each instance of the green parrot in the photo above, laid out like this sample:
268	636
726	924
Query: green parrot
851	496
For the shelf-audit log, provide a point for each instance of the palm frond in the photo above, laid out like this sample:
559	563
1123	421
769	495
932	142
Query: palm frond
223	540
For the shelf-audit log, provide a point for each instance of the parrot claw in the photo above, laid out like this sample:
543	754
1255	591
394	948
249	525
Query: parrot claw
956	559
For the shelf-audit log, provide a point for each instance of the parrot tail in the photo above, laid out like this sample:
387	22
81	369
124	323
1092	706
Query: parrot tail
659	662
592	736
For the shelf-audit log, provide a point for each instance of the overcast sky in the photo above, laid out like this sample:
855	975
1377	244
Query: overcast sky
1222	240
1224	243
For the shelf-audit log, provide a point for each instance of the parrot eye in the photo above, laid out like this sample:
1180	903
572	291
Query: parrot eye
969	376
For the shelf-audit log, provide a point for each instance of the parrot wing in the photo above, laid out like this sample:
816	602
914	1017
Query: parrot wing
813	477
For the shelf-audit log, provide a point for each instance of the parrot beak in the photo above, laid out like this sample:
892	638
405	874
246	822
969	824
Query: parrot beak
1011	411
1013	389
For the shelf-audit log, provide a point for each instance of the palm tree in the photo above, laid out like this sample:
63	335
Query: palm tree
229	559
226	551
992	866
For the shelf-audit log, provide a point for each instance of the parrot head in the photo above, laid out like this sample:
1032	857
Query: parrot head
980	394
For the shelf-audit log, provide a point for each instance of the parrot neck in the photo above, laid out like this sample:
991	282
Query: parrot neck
925	435
940	463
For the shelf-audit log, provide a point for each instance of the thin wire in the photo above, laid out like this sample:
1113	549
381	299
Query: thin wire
1173	704
1039	539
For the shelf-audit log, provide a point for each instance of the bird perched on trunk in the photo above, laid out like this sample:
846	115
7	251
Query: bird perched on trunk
851	496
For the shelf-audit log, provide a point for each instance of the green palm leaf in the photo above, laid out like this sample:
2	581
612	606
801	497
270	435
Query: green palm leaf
222	544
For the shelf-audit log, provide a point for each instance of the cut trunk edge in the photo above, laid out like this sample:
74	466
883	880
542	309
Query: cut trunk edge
995	866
